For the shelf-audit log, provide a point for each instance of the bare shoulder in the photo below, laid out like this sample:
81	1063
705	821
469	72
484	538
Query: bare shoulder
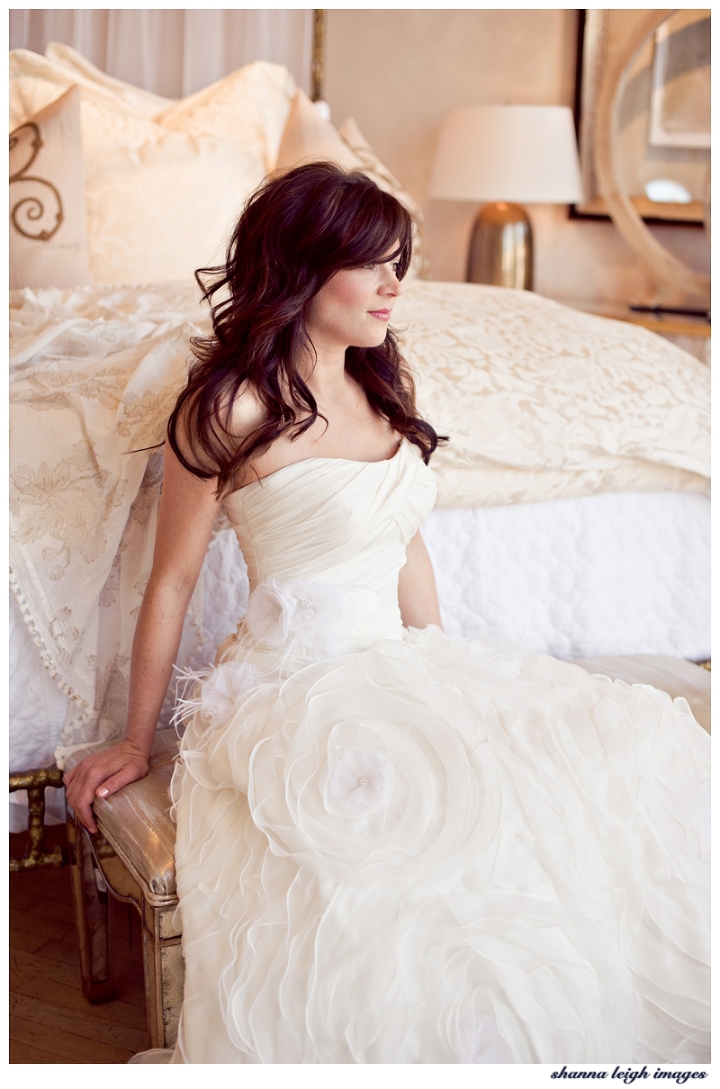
247	412
237	418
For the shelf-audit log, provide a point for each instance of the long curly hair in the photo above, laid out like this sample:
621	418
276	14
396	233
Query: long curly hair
295	232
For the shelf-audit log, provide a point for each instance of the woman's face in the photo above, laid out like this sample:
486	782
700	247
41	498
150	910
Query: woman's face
354	307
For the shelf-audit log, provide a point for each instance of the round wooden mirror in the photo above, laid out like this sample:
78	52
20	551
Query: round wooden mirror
662	264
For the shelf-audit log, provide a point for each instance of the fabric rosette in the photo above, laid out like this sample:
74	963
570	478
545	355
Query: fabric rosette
374	771
218	694
298	615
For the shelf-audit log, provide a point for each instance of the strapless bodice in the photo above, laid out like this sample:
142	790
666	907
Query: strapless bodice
340	523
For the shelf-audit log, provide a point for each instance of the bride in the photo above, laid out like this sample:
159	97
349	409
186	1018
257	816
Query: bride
392	847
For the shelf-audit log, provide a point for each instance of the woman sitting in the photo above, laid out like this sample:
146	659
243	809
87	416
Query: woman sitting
392	847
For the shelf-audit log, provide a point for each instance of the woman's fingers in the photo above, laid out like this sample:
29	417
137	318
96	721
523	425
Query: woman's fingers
85	815
128	774
87	778
99	776
80	794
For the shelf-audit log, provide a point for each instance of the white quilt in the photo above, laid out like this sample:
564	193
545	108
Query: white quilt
540	402
618	573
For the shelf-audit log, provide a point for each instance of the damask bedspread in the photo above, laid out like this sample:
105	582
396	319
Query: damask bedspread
540	402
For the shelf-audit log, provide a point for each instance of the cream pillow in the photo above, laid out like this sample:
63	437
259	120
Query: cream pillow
47	200
160	202
249	108
145	102
308	137
35	82
159	210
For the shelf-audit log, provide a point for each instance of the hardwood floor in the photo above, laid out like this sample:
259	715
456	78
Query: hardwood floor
50	1020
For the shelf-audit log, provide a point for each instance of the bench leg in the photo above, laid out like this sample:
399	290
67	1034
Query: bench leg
164	975
91	916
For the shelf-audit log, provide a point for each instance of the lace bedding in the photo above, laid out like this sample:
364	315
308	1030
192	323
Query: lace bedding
541	403
545	402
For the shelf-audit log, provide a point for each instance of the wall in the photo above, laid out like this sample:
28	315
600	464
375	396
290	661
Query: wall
397	72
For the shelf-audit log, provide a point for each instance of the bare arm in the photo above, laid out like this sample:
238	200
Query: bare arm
188	507
416	588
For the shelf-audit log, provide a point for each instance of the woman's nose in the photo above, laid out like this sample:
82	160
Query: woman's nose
391	285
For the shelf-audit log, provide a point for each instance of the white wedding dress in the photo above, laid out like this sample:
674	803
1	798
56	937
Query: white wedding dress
393	847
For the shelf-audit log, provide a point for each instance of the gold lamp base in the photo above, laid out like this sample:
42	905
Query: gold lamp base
501	247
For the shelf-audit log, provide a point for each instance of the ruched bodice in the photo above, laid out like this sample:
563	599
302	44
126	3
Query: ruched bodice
345	522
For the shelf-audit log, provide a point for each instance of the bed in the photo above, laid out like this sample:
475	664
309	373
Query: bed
573	510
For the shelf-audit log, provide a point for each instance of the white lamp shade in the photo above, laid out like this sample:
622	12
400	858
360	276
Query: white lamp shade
522	154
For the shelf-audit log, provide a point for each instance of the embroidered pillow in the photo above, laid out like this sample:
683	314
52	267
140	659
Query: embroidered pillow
308	136
160	202
47	201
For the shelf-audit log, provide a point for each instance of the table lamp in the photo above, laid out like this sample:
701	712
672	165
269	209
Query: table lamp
504	155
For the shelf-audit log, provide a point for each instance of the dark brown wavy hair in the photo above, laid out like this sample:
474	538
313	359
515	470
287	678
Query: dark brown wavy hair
295	232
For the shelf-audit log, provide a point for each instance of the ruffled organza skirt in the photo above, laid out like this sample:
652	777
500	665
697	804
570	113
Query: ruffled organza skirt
432	851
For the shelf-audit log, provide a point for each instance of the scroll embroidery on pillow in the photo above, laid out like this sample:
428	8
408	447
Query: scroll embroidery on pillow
47	198
29	141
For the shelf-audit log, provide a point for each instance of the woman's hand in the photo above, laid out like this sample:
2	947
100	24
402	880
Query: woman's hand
101	774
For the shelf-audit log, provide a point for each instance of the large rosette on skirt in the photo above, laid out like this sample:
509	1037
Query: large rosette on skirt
364	770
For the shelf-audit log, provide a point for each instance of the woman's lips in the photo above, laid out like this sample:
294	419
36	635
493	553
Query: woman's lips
383	315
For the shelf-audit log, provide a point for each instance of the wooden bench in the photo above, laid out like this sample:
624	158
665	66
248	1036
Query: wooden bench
133	858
